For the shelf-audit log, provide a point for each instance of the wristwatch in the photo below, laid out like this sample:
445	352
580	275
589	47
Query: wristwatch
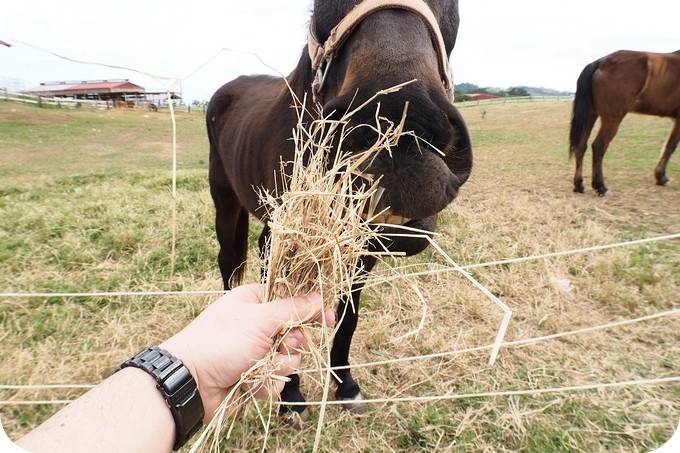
178	387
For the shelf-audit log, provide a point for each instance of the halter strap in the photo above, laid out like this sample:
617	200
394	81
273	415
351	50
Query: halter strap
322	54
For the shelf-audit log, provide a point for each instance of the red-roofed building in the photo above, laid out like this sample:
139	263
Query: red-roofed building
483	96
115	90
119	93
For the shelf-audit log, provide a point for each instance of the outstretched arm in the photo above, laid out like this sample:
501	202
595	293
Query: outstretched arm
126	412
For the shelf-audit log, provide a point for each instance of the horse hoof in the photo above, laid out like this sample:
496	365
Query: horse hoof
295	419
607	193
663	181
354	405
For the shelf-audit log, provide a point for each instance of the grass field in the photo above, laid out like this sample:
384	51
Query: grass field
86	206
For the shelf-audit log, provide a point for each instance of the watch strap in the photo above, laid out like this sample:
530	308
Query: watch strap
178	387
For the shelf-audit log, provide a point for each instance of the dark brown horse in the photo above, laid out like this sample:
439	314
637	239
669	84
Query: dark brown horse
375	46
622	82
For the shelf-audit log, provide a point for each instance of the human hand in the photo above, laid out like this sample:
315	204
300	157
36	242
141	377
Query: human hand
236	331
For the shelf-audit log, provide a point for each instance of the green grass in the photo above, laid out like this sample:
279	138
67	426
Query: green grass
61	142
86	206
96	226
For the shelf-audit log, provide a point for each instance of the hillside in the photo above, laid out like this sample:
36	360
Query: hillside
533	91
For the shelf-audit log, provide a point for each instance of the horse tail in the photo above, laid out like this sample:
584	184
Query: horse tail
583	105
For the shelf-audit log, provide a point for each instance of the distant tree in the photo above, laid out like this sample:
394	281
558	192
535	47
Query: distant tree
517	92
467	88
461	96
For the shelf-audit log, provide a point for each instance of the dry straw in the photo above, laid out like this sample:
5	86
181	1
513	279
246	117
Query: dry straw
319	229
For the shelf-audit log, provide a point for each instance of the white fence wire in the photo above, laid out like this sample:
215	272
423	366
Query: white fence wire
19	97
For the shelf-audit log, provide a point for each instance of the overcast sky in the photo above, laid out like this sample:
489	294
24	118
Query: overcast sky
501	43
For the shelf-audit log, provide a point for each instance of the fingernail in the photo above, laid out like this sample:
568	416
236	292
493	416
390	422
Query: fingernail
292	344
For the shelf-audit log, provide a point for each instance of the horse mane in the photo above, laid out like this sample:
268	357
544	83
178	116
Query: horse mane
301	78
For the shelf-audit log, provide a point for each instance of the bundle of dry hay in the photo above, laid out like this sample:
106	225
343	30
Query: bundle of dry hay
319	230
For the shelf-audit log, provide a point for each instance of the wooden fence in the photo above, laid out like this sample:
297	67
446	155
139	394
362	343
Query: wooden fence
26	98
79	103
504	100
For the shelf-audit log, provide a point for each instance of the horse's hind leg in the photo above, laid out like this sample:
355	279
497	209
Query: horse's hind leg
606	134
671	145
231	226
580	152
578	172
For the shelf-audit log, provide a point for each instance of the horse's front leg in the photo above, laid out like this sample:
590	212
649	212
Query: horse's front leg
291	390
348	310
669	149
348	390
291	394
348	318
263	245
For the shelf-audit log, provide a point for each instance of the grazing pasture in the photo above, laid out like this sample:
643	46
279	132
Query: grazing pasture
86	206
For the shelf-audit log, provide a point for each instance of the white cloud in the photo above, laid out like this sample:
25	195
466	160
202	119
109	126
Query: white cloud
501	43
539	43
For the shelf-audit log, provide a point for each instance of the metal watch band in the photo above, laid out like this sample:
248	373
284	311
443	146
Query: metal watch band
178	387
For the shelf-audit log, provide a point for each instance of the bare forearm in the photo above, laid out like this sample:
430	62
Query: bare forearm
127	413
123	413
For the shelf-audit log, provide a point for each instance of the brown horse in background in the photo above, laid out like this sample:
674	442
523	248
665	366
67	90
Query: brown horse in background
355	49
622	82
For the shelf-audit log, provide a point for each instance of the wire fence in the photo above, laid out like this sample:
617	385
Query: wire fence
444	354
38	100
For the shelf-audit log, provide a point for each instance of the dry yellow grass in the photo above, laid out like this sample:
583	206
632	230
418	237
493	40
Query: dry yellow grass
517	203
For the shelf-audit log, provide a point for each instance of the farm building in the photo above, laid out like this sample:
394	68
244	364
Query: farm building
103	90
121	92
482	96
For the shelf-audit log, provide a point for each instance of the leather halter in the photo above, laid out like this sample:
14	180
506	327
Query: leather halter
322	54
